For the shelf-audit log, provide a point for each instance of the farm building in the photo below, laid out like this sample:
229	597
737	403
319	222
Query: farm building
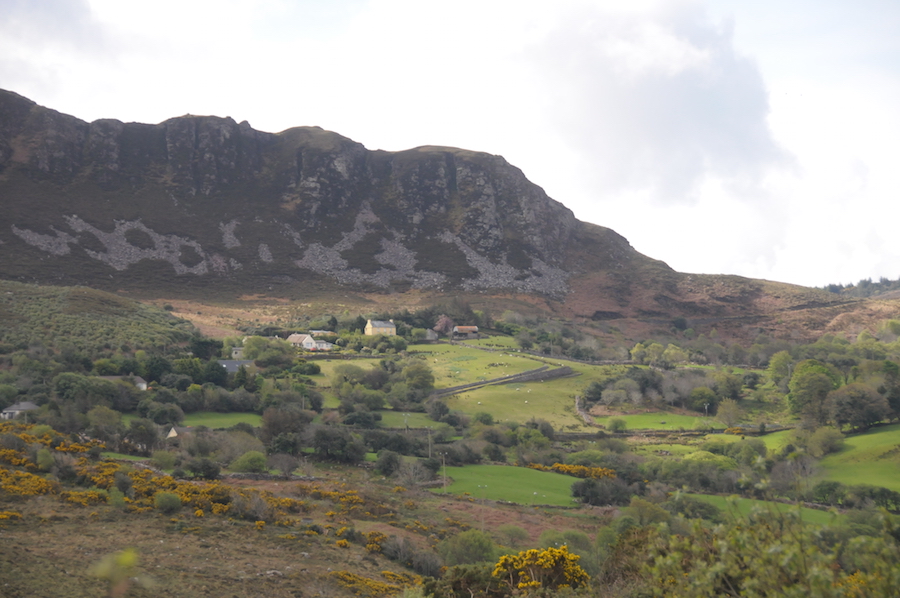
465	332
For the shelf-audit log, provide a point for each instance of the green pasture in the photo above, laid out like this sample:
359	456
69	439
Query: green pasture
743	506
869	458
503	343
214	420
514	484
399	419
661	420
522	402
454	365
776	441
675	449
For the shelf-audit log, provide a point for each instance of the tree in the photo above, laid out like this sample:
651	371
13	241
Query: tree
639	353
105	424
728	386
250	462
468	547
768	553
674	354
602	492
617	425
858	405
215	373
338	444
892	387
288	419
779	367
703	399
143	433
444	325
729	413
824	441
808	391
204	468
388	463
283	462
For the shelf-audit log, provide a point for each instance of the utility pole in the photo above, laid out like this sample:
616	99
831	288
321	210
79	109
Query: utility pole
483	500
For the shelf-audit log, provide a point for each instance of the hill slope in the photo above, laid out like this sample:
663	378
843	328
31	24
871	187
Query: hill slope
201	205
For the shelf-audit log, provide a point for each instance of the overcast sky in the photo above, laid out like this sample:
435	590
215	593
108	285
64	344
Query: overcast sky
755	138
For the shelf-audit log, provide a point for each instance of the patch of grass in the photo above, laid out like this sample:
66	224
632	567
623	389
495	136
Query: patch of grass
743	506
676	449
85	319
397	419
514	484
214	420
660	420
869	458
121	456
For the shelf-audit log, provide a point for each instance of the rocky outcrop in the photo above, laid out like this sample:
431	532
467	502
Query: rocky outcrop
203	196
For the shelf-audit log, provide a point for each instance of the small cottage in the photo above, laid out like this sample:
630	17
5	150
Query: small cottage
13	411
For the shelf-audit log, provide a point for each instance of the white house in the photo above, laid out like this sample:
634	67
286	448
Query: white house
308	343
13	411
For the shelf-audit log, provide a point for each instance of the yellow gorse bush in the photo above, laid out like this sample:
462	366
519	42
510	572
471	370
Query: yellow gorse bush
549	568
363	586
22	483
578	471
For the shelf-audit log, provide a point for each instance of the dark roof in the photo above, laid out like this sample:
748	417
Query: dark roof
233	365
21	406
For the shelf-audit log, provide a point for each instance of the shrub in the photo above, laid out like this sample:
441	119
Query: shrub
163	459
616	425
468	547
204	468
250	462
388	462
513	535
167	502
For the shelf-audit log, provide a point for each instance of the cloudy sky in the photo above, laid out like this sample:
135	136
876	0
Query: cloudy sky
721	136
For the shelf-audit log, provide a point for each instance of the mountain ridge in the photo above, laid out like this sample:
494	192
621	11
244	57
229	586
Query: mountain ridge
200	204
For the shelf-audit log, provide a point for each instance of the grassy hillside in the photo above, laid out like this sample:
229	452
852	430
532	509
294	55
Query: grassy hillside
83	319
869	458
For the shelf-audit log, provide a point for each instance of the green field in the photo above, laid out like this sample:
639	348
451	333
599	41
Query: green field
869	458
742	506
453	365
514	484
496	342
660	420
214	420
399	419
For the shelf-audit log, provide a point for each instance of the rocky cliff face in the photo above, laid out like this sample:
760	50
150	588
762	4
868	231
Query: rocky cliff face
208	197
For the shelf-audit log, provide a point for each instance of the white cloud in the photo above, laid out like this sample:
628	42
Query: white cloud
657	102
719	136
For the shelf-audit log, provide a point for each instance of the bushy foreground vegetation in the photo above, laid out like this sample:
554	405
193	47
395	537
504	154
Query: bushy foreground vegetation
347	483
663	545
